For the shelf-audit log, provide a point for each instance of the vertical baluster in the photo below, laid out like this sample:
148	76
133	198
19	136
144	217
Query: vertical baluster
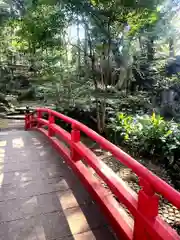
148	206
75	137
26	121
30	121
51	121
39	115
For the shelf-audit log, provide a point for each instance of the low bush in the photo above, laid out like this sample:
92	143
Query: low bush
149	136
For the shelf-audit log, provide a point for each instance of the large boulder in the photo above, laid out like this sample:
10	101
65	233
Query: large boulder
174	170
28	94
173	66
3	108
12	99
145	76
3	99
22	82
170	102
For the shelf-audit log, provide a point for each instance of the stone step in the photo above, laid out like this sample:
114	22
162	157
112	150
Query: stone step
23	109
17	117
11	124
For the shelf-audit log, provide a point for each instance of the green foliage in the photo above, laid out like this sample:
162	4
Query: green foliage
142	19
49	22
150	136
69	71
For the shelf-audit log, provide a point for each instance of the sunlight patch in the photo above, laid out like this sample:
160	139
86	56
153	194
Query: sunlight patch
2	151
39	147
1	178
18	143
3	143
2	157
75	217
4	133
36	141
42	153
1	167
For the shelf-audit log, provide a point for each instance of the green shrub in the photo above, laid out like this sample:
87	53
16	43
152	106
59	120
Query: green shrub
147	135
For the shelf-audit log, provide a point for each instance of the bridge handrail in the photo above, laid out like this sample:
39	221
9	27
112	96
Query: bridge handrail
150	183
158	184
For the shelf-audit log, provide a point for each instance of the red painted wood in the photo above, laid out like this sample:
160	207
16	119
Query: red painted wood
158	184
121	221
62	133
121	190
42	122
39	115
148	206
144	207
26	126
75	137
50	129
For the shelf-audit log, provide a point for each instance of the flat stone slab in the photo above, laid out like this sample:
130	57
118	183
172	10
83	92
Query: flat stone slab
17	117
40	197
12	124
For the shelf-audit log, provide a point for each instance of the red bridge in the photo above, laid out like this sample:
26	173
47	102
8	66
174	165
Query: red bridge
130	215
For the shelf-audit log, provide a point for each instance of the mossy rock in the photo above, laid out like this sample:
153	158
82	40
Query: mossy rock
3	99
28	94
3	108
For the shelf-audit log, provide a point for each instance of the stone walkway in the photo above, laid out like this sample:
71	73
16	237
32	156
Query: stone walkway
40	197
11	124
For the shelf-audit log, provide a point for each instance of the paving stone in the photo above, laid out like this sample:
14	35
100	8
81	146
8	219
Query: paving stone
25	166
15	178
55	225
49	202
83	219
96	234
32	188
67	199
24	229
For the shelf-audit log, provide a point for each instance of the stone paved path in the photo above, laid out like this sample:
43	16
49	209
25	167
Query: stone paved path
40	197
13	124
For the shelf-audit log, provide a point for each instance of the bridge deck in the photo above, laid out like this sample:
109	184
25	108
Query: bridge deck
40	197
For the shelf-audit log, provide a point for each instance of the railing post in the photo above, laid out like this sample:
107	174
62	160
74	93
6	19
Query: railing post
39	115
148	207
51	121
32	120
27	118
34	114
75	137
26	121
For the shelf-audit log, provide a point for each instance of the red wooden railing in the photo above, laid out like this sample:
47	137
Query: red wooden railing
143	222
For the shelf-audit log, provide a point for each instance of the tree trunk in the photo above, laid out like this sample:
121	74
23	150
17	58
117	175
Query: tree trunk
171	47
92	57
150	49
141	45
86	45
101	115
79	51
109	73
69	85
122	78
